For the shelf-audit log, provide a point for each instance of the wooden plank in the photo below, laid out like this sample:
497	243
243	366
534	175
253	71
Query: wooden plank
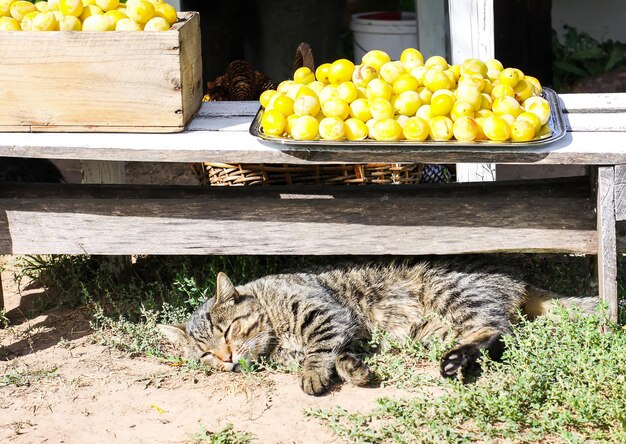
432	28
78	81
191	84
600	122
620	192
586	148
2	305
310	220
593	103
607	252
228	109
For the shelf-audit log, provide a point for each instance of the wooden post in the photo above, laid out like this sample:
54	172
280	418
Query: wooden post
1	295
112	173
607	246
471	36
432	27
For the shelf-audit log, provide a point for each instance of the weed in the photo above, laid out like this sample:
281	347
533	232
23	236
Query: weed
18	426
227	435
400	363
134	338
23	377
4	320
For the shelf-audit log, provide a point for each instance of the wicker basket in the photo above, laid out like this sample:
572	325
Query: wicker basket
222	174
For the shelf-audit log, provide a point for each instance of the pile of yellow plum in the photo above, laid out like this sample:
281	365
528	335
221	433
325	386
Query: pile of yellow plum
86	15
407	99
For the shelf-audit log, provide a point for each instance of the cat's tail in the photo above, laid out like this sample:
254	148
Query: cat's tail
539	302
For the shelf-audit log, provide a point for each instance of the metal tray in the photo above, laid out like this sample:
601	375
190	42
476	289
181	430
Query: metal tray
556	125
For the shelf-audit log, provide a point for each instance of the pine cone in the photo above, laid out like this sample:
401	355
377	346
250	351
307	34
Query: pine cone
241	80
217	90
262	83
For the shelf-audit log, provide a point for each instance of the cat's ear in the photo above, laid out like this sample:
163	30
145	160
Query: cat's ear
225	289
177	334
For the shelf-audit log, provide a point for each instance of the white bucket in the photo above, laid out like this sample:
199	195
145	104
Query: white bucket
391	32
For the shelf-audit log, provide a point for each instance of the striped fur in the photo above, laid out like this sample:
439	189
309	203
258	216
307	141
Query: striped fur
318	318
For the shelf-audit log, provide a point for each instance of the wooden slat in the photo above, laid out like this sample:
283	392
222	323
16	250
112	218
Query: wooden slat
342	220
602	122
587	148
228	109
607	243
594	103
620	192
192	87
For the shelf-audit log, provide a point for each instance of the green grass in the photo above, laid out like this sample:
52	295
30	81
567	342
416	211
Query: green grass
24	377
228	435
561	379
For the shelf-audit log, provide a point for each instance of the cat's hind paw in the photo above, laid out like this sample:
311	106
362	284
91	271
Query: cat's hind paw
457	359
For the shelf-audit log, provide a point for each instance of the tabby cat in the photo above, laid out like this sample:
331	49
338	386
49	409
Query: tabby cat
318	319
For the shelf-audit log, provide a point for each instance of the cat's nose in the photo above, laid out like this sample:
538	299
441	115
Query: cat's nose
228	358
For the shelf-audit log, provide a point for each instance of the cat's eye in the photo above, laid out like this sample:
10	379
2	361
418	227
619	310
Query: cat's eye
227	331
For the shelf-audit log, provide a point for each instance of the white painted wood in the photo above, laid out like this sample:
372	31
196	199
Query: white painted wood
583	148
475	172
601	122
471	36
595	103
227	109
471	29
432	28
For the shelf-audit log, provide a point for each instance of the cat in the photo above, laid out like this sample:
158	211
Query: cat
319	318
15	169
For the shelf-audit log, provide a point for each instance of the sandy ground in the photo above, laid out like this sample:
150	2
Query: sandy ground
58	385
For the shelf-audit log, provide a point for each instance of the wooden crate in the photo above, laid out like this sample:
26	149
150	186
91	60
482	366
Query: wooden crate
101	81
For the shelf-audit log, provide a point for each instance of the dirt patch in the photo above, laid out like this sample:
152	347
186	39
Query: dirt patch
58	385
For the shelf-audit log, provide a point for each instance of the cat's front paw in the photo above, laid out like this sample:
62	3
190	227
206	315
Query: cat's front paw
314	383
353	370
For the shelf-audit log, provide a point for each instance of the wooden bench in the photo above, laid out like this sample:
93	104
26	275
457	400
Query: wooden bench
567	215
